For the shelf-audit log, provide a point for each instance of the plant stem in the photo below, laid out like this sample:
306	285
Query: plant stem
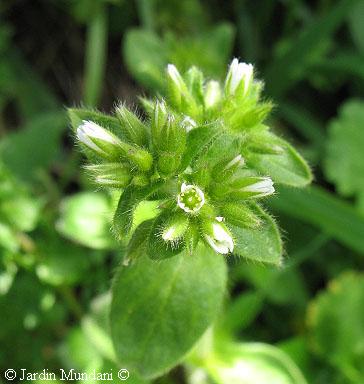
145	10
95	59
72	303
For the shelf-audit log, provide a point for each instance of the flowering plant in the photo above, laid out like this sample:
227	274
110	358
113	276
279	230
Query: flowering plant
206	157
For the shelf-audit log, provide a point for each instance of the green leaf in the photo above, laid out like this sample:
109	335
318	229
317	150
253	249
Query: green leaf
356	25
159	310
129	200
336	319
86	219
242	311
291	67
252	363
324	210
22	211
8	238
145	57
34	147
260	244
60	262
344	158
286	166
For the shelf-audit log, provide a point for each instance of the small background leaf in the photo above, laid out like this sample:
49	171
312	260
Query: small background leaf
85	219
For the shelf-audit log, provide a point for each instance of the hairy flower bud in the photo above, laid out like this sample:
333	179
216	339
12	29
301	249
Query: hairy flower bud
239	75
240	214
169	139
176	85
225	169
107	145
217	236
131	126
251	187
212	94
116	175
99	140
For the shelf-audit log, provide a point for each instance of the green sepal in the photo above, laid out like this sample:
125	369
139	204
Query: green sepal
132	127
285	167
160	309
263	243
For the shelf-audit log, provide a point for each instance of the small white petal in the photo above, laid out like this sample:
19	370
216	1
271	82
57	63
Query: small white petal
188	123
236	160
239	72
263	187
220	239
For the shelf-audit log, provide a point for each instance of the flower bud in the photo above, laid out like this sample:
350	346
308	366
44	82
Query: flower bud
175	228
212	94
240	75
116	175
99	140
191	198
138	156
107	145
131	126
169	139
251	187
180	96
240	214
217	236
225	169
176	85
168	163
158	121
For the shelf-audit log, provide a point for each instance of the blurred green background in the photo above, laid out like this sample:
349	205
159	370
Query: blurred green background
57	255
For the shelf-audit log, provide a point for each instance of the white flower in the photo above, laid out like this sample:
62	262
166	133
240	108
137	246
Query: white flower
219	238
239	73
93	136
262	187
191	198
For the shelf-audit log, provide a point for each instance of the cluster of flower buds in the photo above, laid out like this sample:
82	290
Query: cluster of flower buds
203	152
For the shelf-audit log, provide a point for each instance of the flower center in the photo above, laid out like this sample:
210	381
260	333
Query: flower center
191	198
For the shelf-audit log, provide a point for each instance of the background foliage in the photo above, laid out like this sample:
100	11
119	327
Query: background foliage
57	255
